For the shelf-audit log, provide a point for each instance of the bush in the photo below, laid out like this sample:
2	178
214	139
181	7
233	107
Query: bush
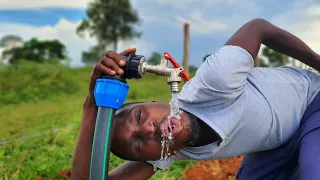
28	81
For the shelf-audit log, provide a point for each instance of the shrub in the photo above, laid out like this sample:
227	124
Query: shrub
28	81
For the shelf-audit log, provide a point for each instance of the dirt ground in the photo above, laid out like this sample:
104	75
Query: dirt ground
214	169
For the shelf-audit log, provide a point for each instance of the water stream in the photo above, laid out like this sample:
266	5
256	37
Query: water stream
167	141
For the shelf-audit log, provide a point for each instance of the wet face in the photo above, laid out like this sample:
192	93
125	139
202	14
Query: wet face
138	129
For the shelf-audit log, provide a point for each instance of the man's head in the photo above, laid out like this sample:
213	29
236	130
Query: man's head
139	126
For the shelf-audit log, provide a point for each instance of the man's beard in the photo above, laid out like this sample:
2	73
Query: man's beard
193	129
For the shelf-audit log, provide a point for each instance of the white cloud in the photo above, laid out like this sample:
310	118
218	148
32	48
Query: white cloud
34	4
175	3
27	4
143	48
308	31
301	23
158	19
216	2
313	11
181	4
65	31
199	23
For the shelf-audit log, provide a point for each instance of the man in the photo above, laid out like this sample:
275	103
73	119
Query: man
229	108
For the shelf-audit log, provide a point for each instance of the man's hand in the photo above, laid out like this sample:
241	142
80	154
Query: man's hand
109	64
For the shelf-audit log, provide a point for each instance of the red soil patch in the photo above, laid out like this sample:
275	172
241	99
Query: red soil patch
214	169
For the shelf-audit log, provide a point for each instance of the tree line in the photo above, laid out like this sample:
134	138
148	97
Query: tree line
108	22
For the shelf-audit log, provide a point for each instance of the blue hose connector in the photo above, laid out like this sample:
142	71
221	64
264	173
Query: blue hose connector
110	93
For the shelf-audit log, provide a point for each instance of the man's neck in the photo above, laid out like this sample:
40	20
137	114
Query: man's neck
206	134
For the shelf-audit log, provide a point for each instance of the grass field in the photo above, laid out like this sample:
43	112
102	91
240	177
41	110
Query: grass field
38	137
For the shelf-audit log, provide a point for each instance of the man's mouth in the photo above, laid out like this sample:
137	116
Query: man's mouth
171	127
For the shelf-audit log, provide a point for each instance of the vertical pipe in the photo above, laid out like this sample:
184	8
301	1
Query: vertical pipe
257	61
186	48
284	59
294	62
101	144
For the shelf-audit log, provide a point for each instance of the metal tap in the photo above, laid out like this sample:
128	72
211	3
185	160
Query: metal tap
137	66
162	69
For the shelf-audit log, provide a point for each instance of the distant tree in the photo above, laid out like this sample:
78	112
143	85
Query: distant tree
193	68
155	58
38	51
263	63
10	40
205	57
92	56
275	58
110	21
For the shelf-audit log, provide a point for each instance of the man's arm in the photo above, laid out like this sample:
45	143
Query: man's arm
258	31
133	171
82	153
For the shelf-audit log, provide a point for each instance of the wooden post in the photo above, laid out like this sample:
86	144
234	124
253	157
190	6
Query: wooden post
186	45
283	60
256	61
294	62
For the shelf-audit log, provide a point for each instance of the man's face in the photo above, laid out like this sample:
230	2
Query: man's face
138	129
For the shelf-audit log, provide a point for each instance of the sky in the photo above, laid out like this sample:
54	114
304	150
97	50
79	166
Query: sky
212	23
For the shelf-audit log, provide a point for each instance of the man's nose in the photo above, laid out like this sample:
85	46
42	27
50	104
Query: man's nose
149	128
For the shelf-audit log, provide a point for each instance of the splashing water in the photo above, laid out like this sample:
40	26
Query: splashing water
162	145
175	112
175	106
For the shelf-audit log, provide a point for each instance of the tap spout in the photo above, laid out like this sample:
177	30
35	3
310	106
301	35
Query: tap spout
162	70
156	69
174	87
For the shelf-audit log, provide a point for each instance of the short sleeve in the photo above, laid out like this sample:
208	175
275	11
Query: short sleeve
227	69
223	74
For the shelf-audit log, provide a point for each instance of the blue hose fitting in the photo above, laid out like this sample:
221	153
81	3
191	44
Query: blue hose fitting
110	93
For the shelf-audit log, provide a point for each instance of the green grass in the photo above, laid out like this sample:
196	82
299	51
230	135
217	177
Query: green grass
46	155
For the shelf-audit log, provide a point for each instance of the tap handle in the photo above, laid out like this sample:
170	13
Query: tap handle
133	66
176	65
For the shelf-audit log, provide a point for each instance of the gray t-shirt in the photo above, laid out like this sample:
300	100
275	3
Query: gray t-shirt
252	109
